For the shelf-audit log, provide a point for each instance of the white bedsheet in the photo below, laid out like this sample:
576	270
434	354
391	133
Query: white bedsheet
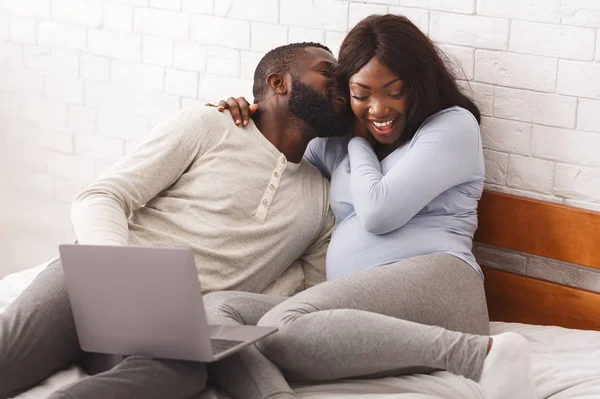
566	364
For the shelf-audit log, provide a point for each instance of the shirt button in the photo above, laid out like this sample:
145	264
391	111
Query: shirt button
272	187
265	202
276	174
283	160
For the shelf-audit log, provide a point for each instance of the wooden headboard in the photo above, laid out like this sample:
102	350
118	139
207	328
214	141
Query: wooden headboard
550	230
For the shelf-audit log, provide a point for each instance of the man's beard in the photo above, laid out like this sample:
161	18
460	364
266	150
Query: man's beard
317	111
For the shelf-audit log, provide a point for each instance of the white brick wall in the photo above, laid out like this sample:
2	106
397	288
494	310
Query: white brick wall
82	81
577	182
156	50
464	6
529	10
551	40
29	8
252	10
137	77
506	135
82	119
71	166
359	11
570	146
189	55
531	106
22	30
166	4
95	68
98	147
182	83
86	13
61	35
587	117
118	17
125	46
469	30
174	25
580	79
52	62
221	31
514	70
581	13
418	16
118	124
462	60
324	14
496	166
202	7
530	174
483	94
297	34
4	26
65	89
11	54
267	36
223	61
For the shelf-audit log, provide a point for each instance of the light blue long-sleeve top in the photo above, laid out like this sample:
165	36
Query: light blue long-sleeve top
421	199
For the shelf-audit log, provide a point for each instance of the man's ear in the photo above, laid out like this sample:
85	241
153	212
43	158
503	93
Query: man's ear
277	83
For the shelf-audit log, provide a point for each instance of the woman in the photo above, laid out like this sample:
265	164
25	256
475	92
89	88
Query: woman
404	190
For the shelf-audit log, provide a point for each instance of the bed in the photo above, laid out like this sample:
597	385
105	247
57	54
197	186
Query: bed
560	322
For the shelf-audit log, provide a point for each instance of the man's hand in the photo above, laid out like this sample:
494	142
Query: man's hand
241	110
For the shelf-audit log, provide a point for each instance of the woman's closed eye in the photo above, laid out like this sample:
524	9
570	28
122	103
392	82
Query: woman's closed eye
359	98
393	95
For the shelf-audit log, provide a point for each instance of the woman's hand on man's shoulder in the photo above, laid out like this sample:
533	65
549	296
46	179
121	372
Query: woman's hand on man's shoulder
240	109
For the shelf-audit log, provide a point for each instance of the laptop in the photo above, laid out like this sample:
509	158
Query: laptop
145	301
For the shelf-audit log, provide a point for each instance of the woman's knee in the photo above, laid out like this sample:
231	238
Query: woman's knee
281	315
277	346
235	307
284	318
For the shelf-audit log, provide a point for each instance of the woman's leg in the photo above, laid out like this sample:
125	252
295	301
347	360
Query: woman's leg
247	374
384	319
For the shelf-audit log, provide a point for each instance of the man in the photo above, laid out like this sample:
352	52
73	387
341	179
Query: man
256	215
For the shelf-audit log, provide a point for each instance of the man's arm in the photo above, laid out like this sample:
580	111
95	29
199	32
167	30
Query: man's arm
100	213
313	260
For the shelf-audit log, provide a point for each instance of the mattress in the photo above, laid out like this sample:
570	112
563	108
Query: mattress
566	364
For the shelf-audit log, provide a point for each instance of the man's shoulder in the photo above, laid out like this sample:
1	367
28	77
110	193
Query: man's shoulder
207	116
192	124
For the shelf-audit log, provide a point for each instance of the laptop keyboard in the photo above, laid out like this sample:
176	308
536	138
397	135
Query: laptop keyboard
221	345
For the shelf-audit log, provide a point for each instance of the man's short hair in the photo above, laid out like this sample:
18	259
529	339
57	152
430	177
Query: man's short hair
279	60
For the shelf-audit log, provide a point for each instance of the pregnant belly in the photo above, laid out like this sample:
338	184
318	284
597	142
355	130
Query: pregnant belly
352	248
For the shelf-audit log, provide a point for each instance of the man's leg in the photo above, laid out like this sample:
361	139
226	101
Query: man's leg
37	333
140	377
247	374
383	320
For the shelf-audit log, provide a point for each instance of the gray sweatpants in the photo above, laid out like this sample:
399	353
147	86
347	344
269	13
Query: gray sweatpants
364	324
38	338
419	315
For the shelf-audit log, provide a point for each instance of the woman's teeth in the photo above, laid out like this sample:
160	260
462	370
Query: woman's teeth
383	124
